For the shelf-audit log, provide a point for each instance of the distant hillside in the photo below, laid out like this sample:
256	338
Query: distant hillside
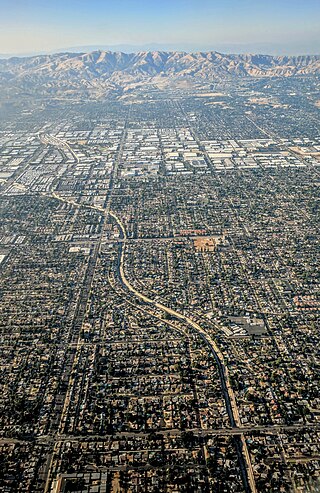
102	69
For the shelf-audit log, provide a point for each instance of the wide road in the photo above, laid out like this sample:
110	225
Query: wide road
231	405
228	393
84	296
61	144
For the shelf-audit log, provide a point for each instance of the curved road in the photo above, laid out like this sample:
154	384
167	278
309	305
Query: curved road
231	405
227	390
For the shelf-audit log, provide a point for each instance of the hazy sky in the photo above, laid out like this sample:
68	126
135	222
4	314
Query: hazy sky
236	25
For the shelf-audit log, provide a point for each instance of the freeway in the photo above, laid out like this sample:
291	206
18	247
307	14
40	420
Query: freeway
84	297
61	144
229	394
231	404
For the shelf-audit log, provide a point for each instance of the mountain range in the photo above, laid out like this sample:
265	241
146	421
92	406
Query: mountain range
100	69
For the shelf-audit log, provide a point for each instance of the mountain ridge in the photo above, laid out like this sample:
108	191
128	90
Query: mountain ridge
102	68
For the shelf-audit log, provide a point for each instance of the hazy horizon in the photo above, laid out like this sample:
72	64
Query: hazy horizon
276	28
128	49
